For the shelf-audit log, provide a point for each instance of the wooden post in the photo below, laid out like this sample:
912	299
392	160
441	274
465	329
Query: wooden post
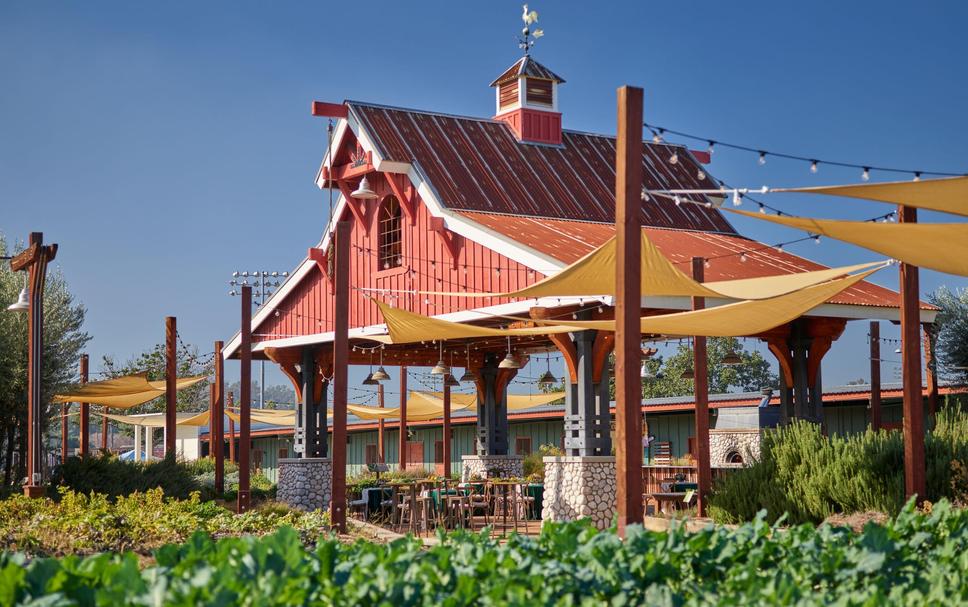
914	465
104	429
171	391
84	432
65	410
230	404
875	333
402	450
446	429
930	362
381	425
245	399
216	433
340	363
701	388
628	234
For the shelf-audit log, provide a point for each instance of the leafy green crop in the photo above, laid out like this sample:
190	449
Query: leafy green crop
915	559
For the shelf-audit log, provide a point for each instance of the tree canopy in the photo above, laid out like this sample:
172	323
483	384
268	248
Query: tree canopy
951	333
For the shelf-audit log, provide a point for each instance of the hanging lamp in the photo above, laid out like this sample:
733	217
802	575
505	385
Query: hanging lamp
732	359
468	374
381	373
441	368
509	362
23	300
363	191
547	379
369	381
689	374
451	381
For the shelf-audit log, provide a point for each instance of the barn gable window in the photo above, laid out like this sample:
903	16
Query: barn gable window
391	234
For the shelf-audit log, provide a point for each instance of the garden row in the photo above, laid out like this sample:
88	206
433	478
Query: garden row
915	559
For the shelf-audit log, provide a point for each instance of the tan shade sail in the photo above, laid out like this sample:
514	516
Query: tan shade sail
737	319
594	274
123	392
515	402
283	417
157	420
406	327
948	195
936	246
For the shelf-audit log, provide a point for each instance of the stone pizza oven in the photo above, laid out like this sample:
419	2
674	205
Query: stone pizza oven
735	439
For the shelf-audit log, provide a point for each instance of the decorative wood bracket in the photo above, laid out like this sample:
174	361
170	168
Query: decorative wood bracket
324	368
784	357
604	343
453	242
818	348
561	341
322	262
287	359
356	206
405	193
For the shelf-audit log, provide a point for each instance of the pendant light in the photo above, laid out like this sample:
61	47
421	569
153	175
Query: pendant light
441	368
547	379
23	300
451	381
363	191
369	381
468	374
689	374
381	373
732	359
509	362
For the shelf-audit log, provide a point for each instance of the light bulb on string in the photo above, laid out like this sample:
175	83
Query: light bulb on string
866	175
742	257
677	200
762	209
737	198
700	175
813	166
710	149
816	239
705	263
762	159
917	176
674	159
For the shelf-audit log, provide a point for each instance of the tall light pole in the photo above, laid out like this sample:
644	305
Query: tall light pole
34	260
262	283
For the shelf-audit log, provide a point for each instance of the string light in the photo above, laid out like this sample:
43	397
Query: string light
674	159
866	175
737	198
814	162
711	148
700	174
762	159
742	257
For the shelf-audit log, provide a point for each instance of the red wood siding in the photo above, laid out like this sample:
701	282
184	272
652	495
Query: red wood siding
427	266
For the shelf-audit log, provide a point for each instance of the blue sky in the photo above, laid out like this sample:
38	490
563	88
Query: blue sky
164	145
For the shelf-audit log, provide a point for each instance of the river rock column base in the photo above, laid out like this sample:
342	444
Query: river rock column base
580	487
478	465
305	484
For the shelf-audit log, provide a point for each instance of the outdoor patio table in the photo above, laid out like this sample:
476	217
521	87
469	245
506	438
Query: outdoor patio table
683	487
668	501
375	496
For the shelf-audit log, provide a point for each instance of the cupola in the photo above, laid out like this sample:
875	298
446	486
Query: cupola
527	100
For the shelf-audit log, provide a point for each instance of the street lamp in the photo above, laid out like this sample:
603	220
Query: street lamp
262	282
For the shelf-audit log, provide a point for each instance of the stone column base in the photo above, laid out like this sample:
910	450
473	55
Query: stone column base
305	484
580	487
478	465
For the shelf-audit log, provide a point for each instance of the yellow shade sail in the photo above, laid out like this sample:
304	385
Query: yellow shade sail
948	195
123	392
407	327
936	246
594	275
282	417
515	402
157	420
737	319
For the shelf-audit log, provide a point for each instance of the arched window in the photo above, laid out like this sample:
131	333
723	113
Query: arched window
391	234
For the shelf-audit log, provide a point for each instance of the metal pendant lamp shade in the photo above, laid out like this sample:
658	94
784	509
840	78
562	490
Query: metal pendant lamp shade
380	374
547	379
689	374
23	302
732	359
468	376
441	368
451	381
369	381
509	362
363	191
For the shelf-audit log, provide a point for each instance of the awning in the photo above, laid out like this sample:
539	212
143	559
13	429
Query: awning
738	319
594	275
948	195
936	246
157	420
123	392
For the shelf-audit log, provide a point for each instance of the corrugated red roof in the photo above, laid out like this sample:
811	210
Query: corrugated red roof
476	164
527	66
567	241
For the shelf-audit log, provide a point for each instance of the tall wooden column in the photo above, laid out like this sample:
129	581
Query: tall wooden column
628	244
230	405
446	428
701	388
171	392
245	399
84	431
216	432
915	481
340	370
65	447
875	336
402	447
380	426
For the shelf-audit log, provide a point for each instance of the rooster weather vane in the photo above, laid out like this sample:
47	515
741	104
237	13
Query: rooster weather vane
529	36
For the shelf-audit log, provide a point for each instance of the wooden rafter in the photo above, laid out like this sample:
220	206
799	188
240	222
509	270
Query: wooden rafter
357	207
604	343
403	190
561	341
287	358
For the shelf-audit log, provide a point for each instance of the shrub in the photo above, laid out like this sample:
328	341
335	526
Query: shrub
533	463
809	477
108	475
916	559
